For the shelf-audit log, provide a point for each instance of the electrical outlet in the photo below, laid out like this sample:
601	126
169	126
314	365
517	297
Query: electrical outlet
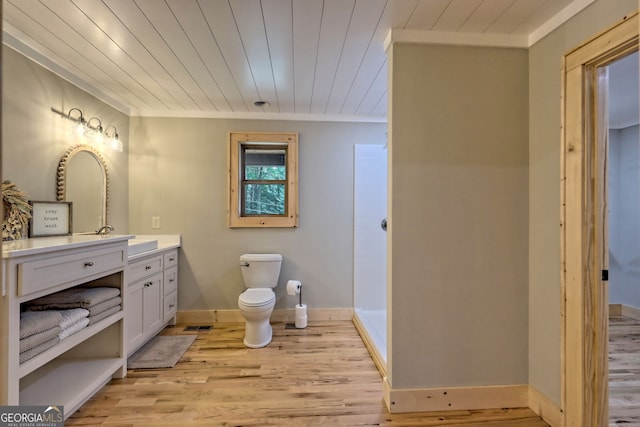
155	222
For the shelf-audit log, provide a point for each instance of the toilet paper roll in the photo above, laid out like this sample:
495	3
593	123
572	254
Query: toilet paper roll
293	287
301	316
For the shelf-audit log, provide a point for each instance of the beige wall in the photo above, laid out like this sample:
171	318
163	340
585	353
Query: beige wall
459	215
178	171
34	138
544	186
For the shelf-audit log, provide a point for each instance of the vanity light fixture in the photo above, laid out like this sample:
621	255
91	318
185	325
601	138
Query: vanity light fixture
95	133
113	140
81	125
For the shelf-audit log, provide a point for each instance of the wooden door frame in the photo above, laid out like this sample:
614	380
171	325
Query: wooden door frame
584	350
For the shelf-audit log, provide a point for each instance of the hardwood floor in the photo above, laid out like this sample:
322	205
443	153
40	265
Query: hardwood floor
624	371
321	375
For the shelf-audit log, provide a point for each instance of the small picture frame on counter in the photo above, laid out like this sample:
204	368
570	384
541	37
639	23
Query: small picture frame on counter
50	219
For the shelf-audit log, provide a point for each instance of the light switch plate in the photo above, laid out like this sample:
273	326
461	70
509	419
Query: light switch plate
155	222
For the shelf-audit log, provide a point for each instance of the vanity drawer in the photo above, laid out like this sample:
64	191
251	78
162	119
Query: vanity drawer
143	268
170	306
170	259
170	280
34	276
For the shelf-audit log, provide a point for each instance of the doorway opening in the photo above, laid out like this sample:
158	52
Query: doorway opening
584	219
623	209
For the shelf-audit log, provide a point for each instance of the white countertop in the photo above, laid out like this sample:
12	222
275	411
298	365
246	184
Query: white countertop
165	242
22	247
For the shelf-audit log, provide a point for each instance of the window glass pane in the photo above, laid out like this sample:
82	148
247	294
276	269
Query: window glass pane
263	184
264	199
265	164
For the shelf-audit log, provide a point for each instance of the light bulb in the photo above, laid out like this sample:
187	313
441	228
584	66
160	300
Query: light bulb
79	129
98	137
116	144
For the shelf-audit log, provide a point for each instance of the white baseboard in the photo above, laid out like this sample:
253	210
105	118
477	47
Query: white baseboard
545	407
201	317
455	398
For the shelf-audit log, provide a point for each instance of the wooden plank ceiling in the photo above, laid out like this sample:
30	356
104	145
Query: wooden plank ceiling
215	58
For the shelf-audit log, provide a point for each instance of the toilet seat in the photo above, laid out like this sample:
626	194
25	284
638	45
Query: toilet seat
257	297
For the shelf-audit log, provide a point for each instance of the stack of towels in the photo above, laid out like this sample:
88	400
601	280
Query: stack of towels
51	318
38	332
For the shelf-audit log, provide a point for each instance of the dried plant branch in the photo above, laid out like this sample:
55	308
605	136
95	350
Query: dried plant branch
17	212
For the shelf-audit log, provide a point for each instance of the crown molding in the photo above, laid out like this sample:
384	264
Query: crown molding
260	116
486	39
451	38
43	60
571	10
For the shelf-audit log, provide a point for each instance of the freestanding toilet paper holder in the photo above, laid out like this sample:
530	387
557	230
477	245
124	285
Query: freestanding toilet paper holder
295	287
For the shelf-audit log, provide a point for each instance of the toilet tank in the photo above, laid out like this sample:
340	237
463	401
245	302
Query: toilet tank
260	270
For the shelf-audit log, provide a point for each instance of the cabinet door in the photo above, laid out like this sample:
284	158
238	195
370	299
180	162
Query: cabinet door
133	333
170	307
152	304
170	283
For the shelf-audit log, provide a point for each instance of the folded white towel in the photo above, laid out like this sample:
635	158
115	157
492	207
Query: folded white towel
35	340
77	297
26	355
103	315
72	329
105	305
32	322
71	316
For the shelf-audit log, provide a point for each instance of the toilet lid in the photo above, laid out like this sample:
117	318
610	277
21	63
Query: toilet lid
256	297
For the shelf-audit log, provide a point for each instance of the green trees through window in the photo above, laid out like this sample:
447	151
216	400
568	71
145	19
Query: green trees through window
263	179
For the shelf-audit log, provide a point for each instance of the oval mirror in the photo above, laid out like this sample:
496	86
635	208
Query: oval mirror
83	179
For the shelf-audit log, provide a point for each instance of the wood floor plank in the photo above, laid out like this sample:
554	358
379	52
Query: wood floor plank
624	371
318	376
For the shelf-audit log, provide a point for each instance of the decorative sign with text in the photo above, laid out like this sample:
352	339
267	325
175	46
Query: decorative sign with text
50	219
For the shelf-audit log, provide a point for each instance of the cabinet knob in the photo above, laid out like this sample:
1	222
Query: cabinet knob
146	285
172	259
88	264
147	267
171	305
171	280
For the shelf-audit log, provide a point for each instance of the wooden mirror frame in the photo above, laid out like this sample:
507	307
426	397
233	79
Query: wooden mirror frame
62	176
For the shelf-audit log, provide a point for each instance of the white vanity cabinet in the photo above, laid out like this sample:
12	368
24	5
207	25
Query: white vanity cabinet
170	287
74	369
152	283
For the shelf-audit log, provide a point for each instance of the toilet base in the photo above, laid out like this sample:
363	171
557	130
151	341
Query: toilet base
257	334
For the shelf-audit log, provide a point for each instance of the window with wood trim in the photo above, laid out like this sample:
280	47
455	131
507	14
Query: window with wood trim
263	179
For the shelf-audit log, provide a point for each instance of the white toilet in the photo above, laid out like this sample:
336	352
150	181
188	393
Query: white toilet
260	273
